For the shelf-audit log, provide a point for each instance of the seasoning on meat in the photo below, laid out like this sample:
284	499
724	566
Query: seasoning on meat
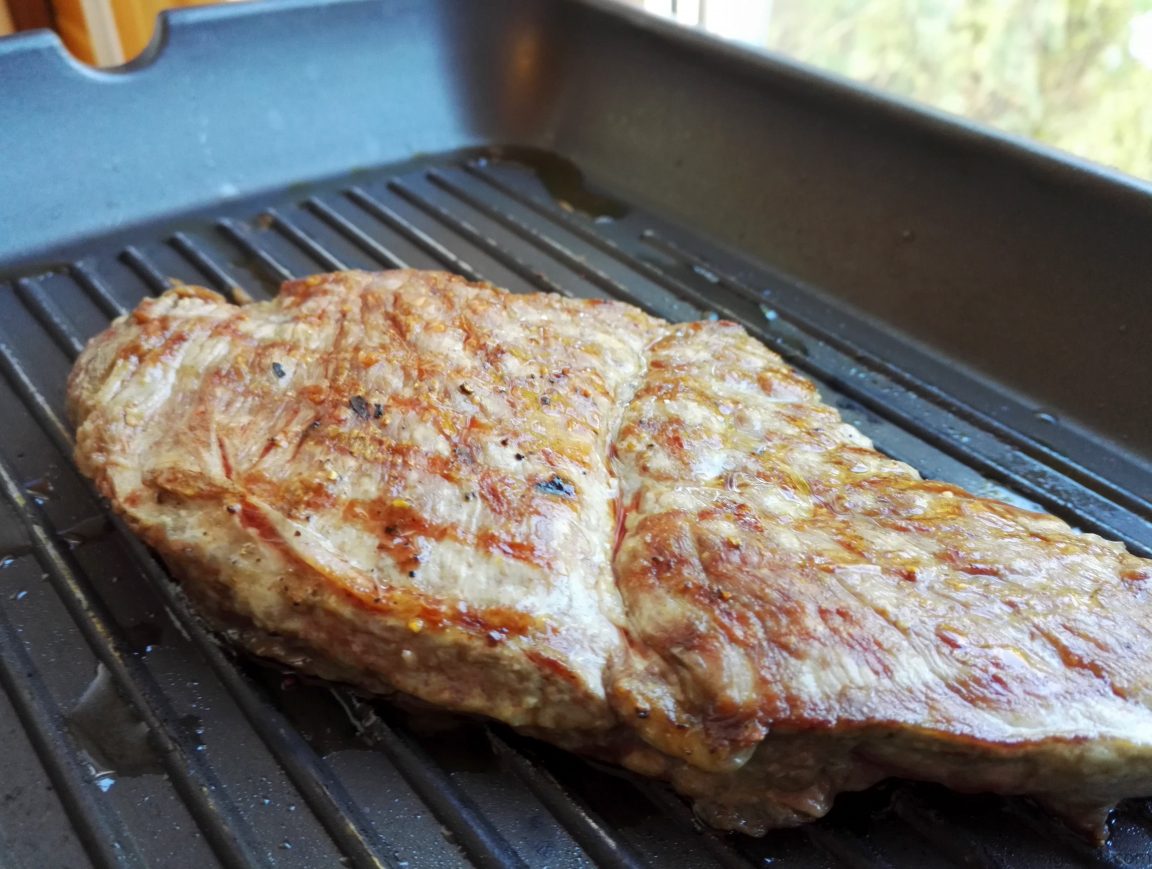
360	406
556	485
741	596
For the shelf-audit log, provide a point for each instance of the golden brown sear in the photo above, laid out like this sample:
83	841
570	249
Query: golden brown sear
644	541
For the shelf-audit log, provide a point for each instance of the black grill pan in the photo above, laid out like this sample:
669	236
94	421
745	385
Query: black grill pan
979	308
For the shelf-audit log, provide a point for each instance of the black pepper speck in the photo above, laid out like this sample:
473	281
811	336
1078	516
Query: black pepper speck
278	370
359	405
556	485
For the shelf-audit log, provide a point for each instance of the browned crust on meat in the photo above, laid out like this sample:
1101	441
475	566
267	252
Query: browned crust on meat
346	414
649	542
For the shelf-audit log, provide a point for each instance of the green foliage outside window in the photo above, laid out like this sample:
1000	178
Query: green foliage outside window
1075	74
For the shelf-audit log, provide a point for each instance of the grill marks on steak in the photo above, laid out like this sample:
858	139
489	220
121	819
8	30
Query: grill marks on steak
645	541
798	585
422	549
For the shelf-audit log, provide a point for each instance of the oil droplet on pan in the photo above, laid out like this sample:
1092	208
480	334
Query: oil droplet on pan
41	489
110	732
86	531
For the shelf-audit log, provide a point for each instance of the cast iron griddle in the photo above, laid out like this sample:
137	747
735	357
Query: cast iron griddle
132	738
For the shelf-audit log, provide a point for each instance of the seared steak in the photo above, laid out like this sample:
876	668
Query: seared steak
645	541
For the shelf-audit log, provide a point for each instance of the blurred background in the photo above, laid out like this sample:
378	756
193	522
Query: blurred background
99	32
1074	74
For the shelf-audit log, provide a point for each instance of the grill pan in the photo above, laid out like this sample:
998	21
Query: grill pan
975	305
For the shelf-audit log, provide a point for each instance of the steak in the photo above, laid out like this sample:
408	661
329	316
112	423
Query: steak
643	541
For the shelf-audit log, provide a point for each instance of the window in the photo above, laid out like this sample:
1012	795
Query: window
1074	74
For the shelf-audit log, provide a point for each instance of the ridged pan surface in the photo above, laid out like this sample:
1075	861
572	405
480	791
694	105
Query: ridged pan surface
133	738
